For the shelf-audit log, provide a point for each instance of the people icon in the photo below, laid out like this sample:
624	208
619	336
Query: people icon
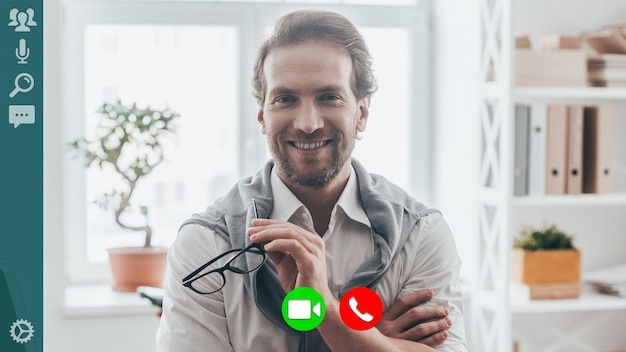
22	21
13	17
31	18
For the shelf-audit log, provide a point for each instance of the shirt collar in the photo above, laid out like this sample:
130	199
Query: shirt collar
350	201
285	202
288	204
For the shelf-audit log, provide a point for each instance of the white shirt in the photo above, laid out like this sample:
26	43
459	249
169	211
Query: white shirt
229	320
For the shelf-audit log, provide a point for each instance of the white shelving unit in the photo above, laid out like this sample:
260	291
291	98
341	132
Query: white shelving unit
578	200
593	322
588	301
577	95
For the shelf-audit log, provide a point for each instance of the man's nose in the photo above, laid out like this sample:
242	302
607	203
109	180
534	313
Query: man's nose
308	118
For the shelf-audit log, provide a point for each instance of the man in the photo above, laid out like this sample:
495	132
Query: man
323	221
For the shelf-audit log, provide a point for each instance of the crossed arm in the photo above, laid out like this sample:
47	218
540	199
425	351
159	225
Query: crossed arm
299	258
191	322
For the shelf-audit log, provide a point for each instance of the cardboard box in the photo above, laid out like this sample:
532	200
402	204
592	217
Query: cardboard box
525	292
546	266
550	68
557	41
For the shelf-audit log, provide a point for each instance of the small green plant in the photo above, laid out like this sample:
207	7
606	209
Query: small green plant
129	141
549	237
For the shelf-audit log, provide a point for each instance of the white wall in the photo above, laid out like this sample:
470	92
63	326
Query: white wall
456	128
457	138
120	334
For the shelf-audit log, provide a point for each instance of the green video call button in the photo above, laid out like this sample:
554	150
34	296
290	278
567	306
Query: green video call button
303	309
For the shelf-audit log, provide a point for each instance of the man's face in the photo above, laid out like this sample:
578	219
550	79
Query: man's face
310	115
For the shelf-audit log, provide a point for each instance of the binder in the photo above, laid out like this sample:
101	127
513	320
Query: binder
520	171
574	181
537	150
598	149
556	149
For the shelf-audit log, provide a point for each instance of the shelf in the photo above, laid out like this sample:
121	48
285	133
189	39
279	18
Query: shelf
588	301
578	95
573	200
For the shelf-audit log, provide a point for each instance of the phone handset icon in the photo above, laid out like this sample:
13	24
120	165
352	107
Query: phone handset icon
370	312
366	317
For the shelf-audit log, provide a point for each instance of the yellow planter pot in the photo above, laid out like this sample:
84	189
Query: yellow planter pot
546	266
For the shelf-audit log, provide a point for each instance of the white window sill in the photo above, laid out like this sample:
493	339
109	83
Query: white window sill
87	301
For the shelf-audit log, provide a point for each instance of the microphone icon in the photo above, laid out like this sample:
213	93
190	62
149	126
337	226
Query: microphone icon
22	52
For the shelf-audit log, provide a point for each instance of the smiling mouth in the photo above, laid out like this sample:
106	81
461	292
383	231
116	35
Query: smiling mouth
309	146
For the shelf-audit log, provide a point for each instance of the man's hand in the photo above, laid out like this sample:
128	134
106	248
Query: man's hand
298	255
407	320
300	259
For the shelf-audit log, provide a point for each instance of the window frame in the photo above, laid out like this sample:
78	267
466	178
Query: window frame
250	19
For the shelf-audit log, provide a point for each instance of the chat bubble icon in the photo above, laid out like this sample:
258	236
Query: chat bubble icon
21	115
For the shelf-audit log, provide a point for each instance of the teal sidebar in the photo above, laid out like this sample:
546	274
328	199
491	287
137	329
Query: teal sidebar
21	175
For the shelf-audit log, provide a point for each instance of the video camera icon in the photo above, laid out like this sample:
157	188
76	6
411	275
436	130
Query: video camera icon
300	309
303	309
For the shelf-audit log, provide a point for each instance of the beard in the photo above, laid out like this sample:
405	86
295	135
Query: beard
312	176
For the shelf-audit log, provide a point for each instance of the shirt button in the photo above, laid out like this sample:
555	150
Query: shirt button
305	216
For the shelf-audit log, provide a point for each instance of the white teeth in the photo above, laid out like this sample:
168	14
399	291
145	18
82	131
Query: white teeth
309	145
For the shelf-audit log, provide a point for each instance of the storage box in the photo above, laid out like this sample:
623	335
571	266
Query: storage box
523	292
546	266
550	68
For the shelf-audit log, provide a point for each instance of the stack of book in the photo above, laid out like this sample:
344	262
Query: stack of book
607	40
610	280
607	70
563	149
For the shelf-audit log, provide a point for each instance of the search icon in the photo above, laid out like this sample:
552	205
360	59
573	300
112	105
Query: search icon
24	83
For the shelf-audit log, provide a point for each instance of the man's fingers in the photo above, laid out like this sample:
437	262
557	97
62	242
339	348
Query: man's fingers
435	339
419	315
406	302
265	231
429	330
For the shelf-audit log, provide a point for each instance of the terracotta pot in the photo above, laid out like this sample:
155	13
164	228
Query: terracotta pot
137	266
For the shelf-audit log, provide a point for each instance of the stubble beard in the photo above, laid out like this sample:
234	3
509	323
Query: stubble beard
317	179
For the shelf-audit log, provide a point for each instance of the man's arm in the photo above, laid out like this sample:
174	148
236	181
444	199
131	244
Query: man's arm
409	318
436	265
190	322
299	257
340	337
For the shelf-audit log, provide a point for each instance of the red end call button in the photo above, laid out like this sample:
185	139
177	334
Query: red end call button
361	308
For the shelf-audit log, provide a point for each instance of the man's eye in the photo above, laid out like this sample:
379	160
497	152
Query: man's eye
330	97
284	99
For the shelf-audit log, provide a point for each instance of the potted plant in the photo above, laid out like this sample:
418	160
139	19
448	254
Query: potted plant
129	142
545	255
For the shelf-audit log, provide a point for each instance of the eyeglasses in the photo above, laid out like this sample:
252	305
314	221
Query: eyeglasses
238	262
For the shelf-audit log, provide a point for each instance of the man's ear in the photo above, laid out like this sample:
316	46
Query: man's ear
261	119
364	113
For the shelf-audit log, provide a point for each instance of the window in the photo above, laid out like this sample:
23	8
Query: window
196	58
191	69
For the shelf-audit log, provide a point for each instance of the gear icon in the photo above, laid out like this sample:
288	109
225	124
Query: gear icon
22	331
